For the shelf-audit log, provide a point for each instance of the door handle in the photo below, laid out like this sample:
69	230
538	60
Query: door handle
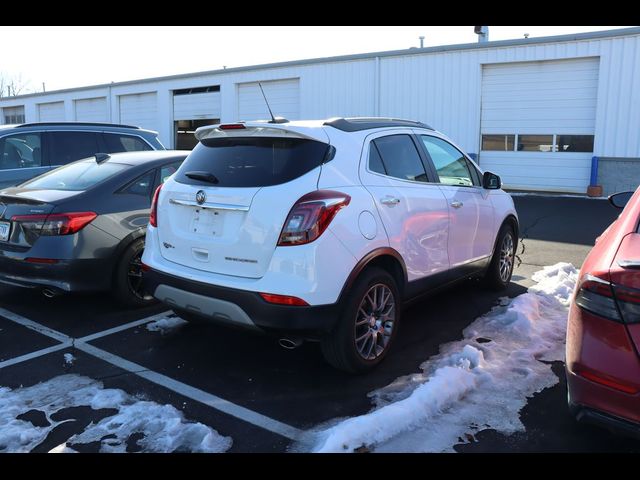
456	204
389	201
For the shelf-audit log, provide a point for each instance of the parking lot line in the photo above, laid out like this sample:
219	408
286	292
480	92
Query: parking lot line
193	393
120	328
36	354
14	317
169	383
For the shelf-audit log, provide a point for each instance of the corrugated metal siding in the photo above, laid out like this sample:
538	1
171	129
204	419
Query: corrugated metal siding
139	110
196	106
51	112
92	110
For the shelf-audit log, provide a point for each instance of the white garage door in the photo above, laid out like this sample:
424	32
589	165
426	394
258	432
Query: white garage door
140	110
538	122
283	97
196	106
92	110
51	112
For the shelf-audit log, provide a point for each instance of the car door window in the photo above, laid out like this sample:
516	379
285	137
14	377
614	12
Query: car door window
398	157
20	151
67	147
124	143
141	185
451	165
168	170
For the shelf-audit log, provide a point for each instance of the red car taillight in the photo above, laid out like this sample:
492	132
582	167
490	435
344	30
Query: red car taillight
56	223
615	302
310	216
153	217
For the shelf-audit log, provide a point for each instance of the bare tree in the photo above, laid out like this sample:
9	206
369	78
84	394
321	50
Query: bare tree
12	85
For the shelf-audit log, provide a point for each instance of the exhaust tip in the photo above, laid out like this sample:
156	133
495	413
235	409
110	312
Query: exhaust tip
290	343
47	292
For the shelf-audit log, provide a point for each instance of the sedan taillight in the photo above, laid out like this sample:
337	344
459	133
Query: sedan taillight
310	216
615	302
54	224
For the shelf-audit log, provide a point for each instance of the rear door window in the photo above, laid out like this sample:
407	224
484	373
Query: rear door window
116	142
400	158
20	151
252	162
68	147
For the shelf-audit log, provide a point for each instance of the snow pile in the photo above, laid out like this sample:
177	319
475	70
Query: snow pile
166	325
162	427
482	381
69	359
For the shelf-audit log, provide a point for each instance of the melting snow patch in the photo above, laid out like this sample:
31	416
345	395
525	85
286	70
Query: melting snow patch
481	381
162	427
165	325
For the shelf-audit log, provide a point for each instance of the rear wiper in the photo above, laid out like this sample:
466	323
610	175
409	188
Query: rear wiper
203	176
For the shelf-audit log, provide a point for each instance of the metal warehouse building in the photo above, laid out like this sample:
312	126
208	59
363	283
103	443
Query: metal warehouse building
534	110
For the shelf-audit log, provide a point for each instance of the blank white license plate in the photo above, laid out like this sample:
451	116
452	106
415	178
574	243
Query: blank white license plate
207	222
4	231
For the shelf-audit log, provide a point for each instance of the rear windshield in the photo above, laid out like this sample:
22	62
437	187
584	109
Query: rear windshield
76	176
252	162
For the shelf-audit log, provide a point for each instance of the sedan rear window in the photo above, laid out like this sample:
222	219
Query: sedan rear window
251	162
76	176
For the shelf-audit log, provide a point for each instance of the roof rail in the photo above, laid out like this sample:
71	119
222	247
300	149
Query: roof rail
81	124
367	123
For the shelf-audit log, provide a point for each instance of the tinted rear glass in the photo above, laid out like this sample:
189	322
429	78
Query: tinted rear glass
252	162
76	176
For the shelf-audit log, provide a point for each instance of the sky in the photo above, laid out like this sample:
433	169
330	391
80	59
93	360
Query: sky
72	56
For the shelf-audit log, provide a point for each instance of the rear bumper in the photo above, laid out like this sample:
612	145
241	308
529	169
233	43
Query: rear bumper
62	277
606	420
239	307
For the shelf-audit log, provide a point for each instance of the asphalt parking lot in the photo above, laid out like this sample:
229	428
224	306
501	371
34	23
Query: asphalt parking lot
263	396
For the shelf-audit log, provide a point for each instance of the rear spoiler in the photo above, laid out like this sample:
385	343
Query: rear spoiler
235	130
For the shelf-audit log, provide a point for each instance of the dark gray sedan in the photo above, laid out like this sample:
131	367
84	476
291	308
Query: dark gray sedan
81	227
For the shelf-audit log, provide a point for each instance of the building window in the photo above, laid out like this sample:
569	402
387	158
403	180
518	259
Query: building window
189	91
535	143
13	115
498	143
574	143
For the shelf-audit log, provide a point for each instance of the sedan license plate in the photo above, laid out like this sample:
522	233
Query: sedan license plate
5	227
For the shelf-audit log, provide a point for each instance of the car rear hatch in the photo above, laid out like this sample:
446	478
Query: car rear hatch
625	277
226	207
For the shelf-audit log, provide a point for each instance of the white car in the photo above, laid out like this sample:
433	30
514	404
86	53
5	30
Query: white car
322	230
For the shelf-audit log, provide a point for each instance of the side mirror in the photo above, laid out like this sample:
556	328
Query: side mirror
491	181
619	200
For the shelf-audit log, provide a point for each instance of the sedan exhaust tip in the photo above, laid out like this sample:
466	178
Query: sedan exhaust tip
290	343
47	292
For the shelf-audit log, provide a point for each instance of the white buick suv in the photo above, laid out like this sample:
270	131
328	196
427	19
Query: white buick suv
322	230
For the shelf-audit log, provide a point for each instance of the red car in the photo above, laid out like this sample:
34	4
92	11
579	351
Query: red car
603	334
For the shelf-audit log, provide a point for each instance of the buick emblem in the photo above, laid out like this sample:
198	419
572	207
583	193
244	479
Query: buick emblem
201	197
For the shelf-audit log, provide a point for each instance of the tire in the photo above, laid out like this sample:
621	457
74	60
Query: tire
127	282
500	270
341	348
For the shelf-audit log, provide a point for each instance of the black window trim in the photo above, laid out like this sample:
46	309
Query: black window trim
429	171
477	177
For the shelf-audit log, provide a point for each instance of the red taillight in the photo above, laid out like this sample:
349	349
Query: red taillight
47	261
232	126
607	382
283	300
153	216
597	295
56	223
310	216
